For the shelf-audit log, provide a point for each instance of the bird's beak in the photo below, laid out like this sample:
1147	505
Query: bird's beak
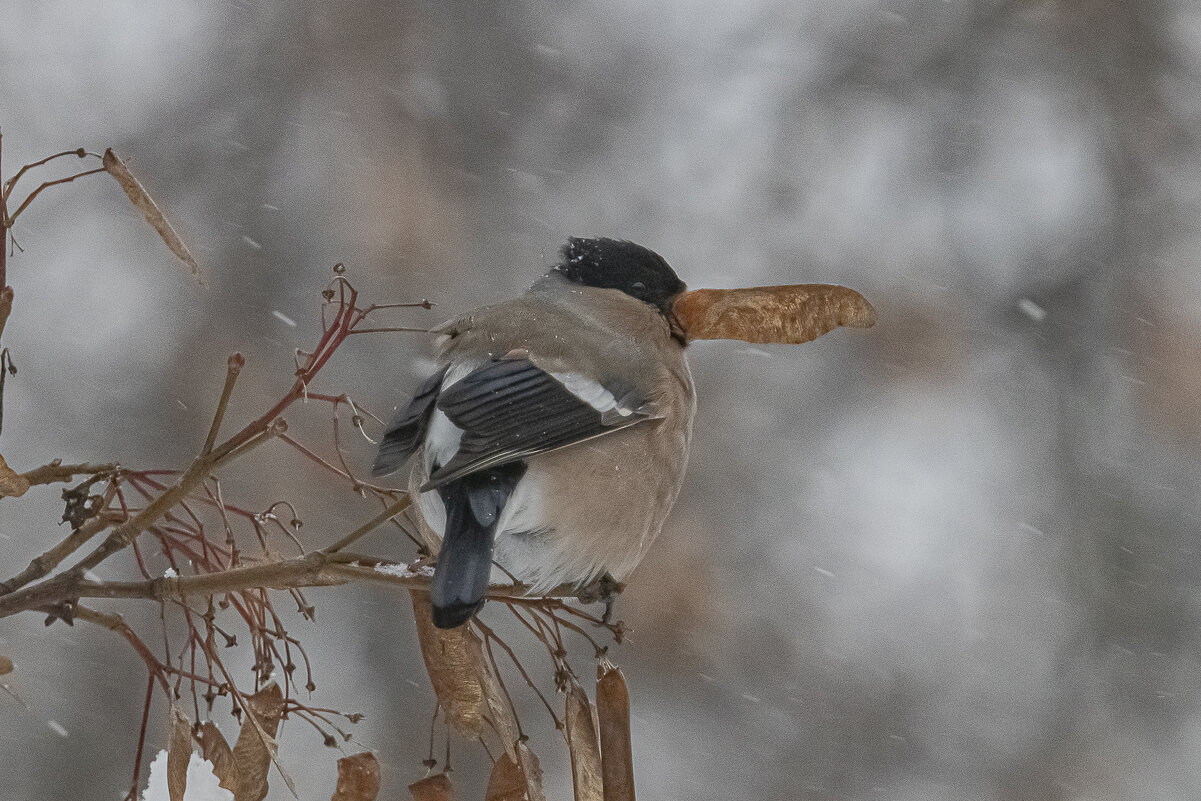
787	315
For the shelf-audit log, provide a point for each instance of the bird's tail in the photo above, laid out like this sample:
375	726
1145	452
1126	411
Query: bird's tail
473	508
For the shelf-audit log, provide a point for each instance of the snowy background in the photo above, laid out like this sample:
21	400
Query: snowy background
952	558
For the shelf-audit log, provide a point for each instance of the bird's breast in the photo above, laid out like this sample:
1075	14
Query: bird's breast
595	507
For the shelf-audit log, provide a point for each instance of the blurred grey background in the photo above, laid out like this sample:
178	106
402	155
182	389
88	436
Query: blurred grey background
952	558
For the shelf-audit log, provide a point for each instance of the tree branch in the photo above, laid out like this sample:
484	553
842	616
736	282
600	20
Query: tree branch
315	569
51	559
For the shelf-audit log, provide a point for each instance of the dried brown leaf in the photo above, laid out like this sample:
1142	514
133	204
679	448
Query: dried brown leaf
6	666
255	749
787	315
433	788
179	754
12	483
215	749
583	745
358	778
506	782
532	772
464	684
144	203
617	755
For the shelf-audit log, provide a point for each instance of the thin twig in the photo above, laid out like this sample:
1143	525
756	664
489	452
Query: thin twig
233	368
383	517
4	231
137	762
13	217
391	330
114	622
11	182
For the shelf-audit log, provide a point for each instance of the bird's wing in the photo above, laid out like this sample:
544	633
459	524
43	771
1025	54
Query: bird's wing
408	427
510	408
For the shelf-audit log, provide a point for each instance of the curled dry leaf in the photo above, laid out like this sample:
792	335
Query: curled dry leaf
464	684
255	749
12	483
215	749
433	788
506	782
6	666
617	755
144	203
358	778
786	315
179	754
583	745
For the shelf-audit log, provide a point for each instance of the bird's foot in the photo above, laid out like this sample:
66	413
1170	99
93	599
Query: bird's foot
604	589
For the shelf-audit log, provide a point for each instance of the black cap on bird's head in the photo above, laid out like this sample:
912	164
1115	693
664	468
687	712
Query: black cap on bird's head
616	264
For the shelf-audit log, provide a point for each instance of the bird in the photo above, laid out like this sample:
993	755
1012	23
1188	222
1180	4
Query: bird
553	436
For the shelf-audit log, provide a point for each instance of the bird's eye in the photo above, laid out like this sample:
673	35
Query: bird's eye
638	287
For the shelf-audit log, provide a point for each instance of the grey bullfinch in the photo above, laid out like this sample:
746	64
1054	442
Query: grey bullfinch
553	437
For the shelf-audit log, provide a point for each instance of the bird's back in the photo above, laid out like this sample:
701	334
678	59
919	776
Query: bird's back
594	506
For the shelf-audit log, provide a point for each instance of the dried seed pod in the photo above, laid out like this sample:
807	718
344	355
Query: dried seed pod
215	748
532	772
255	751
433	788
506	782
617	754
358	778
454	661
583	745
464	684
179	754
12	483
144	203
786	315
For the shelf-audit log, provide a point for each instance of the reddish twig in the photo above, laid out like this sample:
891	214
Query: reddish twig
137	761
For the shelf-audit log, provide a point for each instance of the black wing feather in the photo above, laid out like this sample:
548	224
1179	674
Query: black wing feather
510	409
407	429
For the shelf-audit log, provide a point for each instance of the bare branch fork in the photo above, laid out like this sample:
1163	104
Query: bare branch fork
212	456
172	508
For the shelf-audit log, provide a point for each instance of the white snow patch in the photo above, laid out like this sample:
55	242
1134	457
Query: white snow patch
401	570
202	783
170	573
58	728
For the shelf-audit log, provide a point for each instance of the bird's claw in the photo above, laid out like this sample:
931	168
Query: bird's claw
604	589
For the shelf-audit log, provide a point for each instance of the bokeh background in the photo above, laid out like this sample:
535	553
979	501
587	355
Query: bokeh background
952	558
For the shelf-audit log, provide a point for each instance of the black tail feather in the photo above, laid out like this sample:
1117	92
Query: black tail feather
473	508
